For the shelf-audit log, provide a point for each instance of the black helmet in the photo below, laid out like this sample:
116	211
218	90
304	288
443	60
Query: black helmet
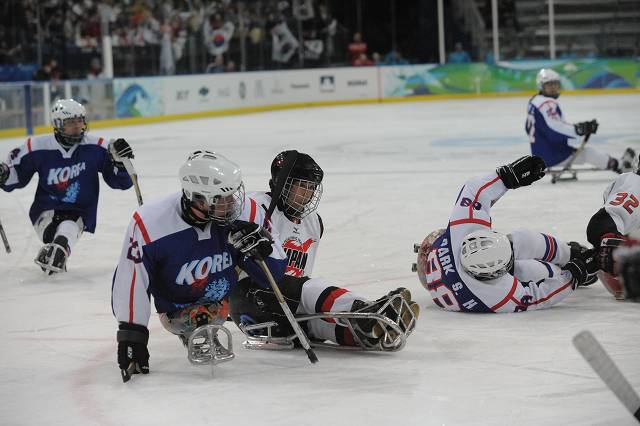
305	173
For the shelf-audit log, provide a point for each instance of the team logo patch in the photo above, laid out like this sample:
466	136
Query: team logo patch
297	255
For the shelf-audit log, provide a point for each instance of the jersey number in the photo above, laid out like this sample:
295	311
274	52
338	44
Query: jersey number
630	201
441	295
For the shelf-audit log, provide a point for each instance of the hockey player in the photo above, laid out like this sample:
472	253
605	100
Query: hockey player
469	267
296	184
549	133
67	163
183	250
610	227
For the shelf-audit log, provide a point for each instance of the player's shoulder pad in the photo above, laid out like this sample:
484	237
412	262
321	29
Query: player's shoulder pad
160	218
40	143
95	140
540	101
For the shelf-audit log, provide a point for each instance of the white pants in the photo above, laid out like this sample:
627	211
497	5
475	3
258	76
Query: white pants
588	155
67	228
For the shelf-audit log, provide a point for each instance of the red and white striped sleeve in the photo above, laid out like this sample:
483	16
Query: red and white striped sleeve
473	205
129	294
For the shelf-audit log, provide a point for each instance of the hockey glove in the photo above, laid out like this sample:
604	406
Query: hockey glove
120	149
630	274
133	355
608	245
582	270
250	238
522	172
4	173
586	128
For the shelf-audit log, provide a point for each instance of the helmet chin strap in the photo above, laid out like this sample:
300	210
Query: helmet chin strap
68	142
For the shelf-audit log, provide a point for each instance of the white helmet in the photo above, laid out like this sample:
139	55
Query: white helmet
486	254
215	180
63	110
546	75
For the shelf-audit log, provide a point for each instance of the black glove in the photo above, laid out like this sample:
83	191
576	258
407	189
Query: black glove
522	172
586	128
608	245
133	355
583	270
630	274
120	149
4	173
250	238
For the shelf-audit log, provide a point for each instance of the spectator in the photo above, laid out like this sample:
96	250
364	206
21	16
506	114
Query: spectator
47	72
217	66
362	61
394	57
356	48
459	56
95	69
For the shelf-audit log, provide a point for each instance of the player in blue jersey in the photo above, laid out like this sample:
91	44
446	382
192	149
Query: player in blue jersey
183	250
549	133
67	163
471	268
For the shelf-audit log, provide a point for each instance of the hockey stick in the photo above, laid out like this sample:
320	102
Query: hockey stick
281	179
600	361
128	165
304	340
4	239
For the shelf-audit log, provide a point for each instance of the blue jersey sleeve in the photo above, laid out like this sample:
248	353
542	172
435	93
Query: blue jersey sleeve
21	169
115	177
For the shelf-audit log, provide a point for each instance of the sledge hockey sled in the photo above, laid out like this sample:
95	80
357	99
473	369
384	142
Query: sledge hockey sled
396	329
565	174
204	346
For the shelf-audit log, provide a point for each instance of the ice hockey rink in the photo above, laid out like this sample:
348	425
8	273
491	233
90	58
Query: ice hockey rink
392	172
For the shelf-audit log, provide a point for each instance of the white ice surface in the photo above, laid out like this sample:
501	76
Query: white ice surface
392	173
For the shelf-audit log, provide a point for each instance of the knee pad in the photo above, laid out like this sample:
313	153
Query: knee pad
49	221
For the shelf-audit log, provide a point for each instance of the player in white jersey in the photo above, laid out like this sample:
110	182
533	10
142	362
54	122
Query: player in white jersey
549	133
296	181
183	250
67	163
469	267
610	227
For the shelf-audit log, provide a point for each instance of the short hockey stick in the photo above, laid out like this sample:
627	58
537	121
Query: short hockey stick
304	340
7	247
128	165
599	360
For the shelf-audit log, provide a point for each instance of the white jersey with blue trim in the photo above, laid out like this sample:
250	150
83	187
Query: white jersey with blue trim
67	179
179	264
537	281
621	202
300	240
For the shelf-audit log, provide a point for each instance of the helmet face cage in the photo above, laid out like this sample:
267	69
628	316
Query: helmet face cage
486	255
546	76
301	197
221	209
65	111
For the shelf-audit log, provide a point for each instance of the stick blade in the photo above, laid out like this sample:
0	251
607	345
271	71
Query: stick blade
593	352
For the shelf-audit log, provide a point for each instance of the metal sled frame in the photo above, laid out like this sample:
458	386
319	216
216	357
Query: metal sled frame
204	348
48	268
571	174
393	339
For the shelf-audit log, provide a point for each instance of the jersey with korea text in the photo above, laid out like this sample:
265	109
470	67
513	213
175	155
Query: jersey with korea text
179	264
300	240
67	180
537	281
547	130
622	201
